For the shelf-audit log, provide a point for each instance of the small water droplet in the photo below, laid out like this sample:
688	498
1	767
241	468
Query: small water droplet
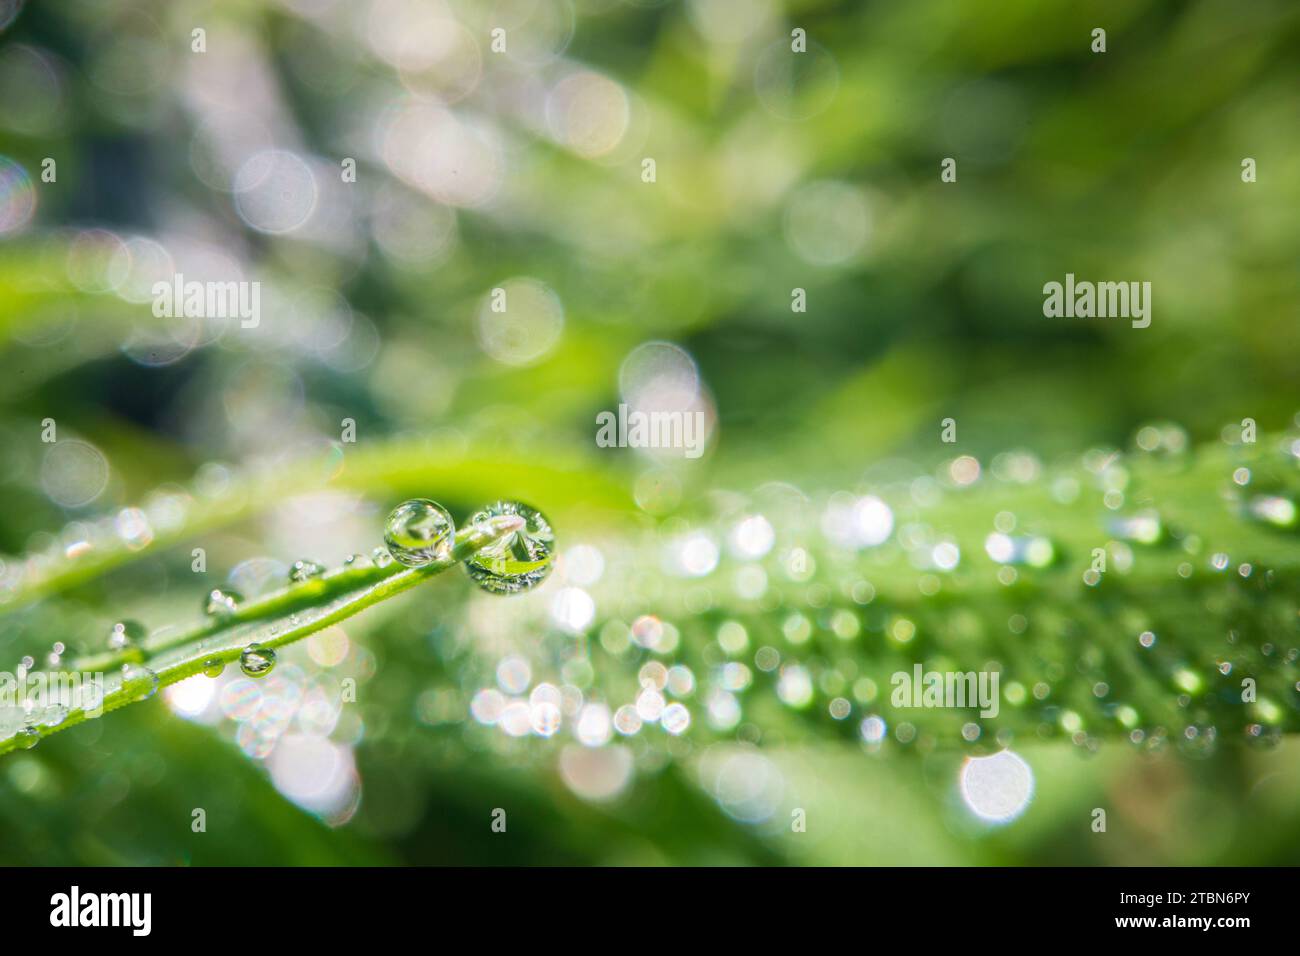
28	737
138	681
518	561
305	571
213	667
357	561
419	532
256	660
381	557
221	603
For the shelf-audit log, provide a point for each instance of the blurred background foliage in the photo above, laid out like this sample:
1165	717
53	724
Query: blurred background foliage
523	169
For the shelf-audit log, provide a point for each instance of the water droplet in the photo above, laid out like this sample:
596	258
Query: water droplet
357	561
419	532
305	571
221	603
213	667
12	719
52	716
92	698
125	636
256	660
138	681
28	737
519	560
381	557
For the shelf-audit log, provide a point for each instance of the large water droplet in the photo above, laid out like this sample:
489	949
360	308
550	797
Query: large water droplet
92	698
138	681
256	660
519	560
305	571
221	603
52	716
419	532
12	720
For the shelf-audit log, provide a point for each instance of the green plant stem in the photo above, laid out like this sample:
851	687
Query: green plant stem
276	620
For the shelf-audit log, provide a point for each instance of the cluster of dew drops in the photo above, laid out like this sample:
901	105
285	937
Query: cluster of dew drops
418	533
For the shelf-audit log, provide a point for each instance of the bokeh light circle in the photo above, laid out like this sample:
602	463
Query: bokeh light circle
998	788
519	324
275	191
828	223
17	197
796	86
74	473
